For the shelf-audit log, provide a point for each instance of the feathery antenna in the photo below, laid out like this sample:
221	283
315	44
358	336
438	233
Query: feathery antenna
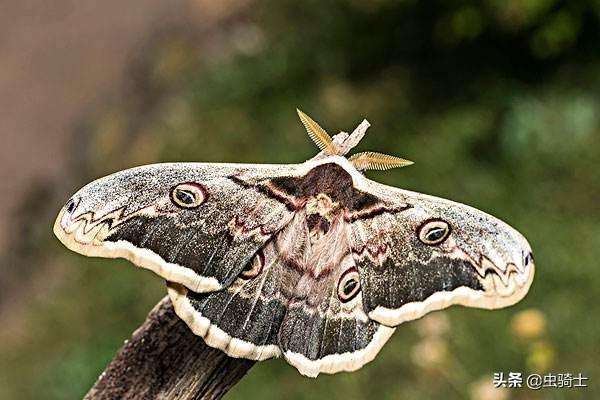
317	134
372	160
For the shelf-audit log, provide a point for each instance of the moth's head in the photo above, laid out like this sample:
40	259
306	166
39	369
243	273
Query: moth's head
495	258
96	210
340	145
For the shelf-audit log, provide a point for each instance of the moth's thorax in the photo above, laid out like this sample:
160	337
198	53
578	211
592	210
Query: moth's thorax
320	211
323	190
321	205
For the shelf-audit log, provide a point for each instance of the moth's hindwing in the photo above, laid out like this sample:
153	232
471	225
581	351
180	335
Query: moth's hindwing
288	310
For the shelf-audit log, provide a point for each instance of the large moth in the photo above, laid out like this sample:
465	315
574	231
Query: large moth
313	262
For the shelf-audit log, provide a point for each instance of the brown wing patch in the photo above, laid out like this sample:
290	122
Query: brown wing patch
328	179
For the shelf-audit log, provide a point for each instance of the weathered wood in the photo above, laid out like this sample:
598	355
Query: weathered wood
165	360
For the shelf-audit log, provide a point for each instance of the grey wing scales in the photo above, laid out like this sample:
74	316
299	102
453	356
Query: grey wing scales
243	320
132	214
477	260
320	332
218	239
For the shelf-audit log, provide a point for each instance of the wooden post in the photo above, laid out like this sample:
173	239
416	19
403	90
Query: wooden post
165	360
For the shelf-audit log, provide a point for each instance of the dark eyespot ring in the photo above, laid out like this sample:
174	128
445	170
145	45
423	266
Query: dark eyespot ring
528	259
70	206
254	267
348	285
188	195
433	232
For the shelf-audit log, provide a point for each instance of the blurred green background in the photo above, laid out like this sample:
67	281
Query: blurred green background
497	102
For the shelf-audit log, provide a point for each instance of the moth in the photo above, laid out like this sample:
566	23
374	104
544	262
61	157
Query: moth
313	262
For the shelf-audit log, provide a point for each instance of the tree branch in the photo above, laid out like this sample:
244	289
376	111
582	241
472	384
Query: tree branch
164	359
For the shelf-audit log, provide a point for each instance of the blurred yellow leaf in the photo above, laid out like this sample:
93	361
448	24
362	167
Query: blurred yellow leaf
541	356
528	324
